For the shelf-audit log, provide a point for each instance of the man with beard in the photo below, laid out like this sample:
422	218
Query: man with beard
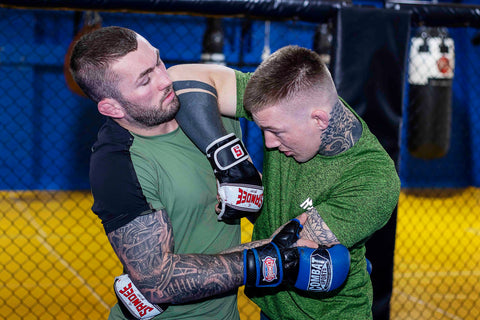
151	183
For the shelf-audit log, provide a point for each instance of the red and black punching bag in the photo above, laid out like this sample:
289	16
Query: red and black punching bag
431	70
212	46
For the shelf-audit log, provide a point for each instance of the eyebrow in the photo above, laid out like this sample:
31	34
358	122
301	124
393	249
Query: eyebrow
270	128
273	129
144	73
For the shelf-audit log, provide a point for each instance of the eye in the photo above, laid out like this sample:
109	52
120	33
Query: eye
274	133
277	133
146	81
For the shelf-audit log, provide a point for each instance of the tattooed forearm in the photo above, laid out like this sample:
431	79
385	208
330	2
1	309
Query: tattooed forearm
344	129
145	248
316	229
195	277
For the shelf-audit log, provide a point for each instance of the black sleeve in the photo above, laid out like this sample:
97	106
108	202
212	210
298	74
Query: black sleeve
117	193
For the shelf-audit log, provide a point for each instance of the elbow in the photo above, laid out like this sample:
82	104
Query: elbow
150	288
153	283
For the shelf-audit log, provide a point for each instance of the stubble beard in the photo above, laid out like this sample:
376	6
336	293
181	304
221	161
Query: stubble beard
148	117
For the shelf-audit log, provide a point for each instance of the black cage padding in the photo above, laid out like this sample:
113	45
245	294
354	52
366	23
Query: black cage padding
369	68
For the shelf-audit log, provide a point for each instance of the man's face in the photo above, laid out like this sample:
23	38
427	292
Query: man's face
292	130
146	90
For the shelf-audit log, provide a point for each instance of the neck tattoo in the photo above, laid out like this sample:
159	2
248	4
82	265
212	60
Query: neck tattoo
343	131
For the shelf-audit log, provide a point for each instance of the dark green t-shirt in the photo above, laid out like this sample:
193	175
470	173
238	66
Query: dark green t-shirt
354	192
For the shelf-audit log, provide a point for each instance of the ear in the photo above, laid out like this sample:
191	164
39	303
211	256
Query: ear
111	108
321	118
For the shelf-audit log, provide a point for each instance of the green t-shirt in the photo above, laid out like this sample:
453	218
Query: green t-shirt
354	192
174	175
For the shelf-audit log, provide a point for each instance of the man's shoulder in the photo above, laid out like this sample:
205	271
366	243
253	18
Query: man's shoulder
113	135
109	150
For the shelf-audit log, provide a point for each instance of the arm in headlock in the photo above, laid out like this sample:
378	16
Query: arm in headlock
239	182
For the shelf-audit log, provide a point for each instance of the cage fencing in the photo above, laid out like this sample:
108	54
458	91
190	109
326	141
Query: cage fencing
56	260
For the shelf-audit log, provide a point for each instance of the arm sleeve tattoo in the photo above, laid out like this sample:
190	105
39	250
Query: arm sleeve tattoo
145	248
316	229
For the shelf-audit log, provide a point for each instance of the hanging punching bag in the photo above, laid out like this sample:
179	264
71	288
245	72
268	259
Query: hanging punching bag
212	50
431	69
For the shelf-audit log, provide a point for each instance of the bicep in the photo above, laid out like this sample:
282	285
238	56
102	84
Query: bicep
220	77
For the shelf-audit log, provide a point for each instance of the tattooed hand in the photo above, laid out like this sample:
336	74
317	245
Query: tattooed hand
315	229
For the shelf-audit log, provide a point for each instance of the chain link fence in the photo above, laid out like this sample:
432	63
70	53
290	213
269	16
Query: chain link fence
436	258
56	262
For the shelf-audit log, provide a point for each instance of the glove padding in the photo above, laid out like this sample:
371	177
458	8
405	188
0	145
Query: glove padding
239	183
321	270
317	270
132	302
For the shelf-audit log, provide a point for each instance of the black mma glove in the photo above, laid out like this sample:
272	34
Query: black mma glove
239	183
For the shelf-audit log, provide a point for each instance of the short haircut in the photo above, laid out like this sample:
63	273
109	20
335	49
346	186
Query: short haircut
288	71
92	57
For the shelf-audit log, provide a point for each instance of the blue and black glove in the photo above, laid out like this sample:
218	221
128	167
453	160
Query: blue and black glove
317	270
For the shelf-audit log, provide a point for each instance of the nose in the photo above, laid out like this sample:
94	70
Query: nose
162	79
271	141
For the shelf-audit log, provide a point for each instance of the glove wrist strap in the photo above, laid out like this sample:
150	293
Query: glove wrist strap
130	298
263	266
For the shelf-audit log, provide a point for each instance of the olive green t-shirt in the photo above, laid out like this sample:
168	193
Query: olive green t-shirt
354	192
174	175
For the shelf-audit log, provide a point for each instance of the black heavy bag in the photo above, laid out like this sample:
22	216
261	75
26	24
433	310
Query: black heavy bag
430	98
